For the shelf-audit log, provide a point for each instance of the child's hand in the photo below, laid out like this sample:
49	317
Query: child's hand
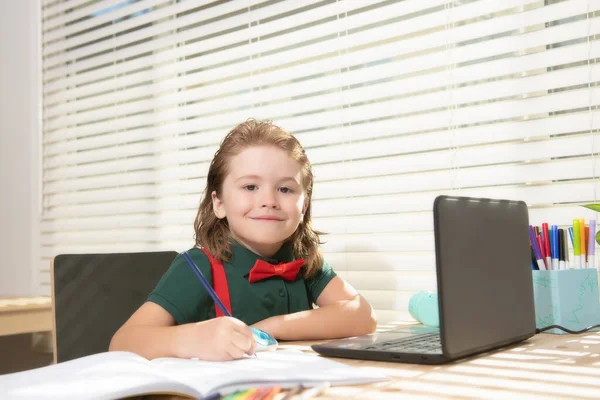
219	339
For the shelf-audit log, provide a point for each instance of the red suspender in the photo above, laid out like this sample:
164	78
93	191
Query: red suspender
219	283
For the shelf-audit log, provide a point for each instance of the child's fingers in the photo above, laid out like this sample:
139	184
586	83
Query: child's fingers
252	347
242	328
238	346
242	342
235	353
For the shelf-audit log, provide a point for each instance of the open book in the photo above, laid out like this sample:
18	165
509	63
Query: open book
115	375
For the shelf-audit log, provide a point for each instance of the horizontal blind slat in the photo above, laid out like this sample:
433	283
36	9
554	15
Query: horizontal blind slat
261	30
468	94
61	33
433	119
362	165
441	79
533	195
402	47
61	7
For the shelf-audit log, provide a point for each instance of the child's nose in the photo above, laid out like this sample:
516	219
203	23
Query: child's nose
269	200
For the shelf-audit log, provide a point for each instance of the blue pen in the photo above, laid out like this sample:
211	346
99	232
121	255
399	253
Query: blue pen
205	283
264	341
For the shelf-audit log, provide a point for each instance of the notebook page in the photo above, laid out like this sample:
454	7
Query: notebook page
286	368
99	376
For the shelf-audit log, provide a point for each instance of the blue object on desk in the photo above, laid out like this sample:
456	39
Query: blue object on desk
423	306
264	341
567	298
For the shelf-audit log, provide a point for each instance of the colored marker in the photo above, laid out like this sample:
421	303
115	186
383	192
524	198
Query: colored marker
566	244
592	244
540	246
587	236
571	235
582	242
555	250
547	245
536	249
561	249
576	244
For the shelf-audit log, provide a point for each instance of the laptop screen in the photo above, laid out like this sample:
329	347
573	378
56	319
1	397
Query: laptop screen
483	266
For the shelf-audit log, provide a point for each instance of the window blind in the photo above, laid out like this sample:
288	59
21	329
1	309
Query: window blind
395	102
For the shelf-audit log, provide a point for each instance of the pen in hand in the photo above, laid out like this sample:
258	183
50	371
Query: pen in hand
262	338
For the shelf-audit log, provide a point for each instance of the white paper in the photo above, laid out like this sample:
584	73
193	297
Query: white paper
120	374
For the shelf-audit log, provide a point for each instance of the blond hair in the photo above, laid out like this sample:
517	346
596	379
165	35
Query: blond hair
212	233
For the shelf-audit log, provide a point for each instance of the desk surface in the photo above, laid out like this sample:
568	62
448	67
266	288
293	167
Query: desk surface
543	367
25	315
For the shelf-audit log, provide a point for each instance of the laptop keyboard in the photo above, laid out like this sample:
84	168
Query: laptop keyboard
427	343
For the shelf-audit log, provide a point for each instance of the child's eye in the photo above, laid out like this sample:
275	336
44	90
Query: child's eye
285	190
250	188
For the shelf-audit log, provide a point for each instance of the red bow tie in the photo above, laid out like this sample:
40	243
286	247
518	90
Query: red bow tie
263	270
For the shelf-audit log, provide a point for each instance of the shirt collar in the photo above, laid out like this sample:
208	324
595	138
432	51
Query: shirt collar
243	259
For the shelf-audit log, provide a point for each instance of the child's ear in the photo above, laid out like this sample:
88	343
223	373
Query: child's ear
218	207
304	208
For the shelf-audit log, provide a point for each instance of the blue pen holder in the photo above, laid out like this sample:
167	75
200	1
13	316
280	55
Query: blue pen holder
566	297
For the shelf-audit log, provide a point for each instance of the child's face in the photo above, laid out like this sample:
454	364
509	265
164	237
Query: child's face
262	198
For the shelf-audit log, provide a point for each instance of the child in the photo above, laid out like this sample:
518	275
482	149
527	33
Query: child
256	208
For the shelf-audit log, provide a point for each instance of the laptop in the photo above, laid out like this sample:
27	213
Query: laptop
484	285
94	294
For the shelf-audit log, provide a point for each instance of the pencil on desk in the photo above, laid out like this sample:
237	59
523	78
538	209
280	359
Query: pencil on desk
247	394
292	392
271	393
314	391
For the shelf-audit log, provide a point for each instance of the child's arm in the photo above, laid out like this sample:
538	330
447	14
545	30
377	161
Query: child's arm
151	332
342	312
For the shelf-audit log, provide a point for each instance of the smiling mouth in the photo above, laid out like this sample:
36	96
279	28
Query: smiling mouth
272	219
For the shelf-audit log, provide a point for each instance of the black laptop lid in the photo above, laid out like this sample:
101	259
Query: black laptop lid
483	266
94	294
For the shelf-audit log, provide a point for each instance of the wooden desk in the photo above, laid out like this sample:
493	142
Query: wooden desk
25	315
544	367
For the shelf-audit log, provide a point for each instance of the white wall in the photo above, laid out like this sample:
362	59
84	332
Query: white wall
19	146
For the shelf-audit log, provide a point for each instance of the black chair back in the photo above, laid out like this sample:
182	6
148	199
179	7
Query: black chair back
94	294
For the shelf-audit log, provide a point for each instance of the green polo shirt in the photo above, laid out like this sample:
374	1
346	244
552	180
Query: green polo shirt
181	293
